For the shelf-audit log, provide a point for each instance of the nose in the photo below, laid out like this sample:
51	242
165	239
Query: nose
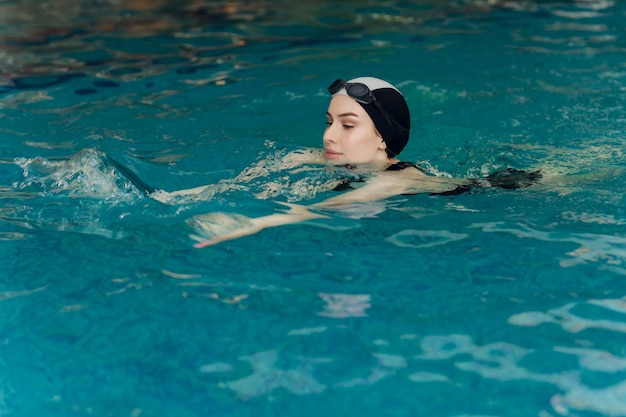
328	136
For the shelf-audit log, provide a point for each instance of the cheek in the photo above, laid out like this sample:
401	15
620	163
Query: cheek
361	148
367	140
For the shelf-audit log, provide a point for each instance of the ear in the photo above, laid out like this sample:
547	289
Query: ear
382	145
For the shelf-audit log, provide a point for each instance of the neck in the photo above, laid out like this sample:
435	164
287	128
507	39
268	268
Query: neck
374	166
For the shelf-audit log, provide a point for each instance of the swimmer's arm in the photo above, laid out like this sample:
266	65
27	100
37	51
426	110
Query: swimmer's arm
252	226
292	159
378	188
389	184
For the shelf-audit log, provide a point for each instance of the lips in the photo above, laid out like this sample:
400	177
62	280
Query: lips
330	154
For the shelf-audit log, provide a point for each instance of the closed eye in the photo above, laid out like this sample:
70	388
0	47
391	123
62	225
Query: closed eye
328	123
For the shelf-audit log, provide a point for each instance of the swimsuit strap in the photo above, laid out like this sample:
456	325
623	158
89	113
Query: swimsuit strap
399	166
509	179
346	184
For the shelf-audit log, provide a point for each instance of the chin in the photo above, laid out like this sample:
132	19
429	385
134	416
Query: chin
335	161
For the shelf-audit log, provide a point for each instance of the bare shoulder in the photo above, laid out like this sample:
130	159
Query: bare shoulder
386	184
411	180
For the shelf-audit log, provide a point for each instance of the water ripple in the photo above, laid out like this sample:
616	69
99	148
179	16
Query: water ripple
592	247
411	238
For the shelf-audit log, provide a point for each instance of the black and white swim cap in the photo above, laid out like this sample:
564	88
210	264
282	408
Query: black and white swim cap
395	132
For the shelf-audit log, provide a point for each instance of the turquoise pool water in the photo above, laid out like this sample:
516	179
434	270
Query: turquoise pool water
496	303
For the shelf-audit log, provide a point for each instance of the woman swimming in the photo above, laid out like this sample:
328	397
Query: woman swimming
368	125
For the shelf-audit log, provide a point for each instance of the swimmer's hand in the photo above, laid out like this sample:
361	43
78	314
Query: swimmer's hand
167	197
161	196
213	228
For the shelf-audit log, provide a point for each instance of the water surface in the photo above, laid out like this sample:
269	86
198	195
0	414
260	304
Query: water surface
495	303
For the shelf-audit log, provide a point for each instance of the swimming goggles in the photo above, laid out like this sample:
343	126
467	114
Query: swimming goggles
362	94
358	91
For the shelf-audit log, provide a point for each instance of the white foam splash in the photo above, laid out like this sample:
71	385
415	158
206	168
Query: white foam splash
276	174
84	174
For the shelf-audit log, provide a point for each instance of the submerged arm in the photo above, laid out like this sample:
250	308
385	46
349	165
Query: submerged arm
221	227
292	160
388	184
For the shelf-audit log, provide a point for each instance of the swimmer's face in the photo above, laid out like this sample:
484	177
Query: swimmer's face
351	137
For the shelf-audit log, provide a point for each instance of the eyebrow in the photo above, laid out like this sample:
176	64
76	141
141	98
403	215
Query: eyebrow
343	114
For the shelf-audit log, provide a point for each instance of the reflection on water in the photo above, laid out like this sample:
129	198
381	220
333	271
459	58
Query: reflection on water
5	295
609	399
569	374
345	305
47	44
499	361
569	321
267	377
610	249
